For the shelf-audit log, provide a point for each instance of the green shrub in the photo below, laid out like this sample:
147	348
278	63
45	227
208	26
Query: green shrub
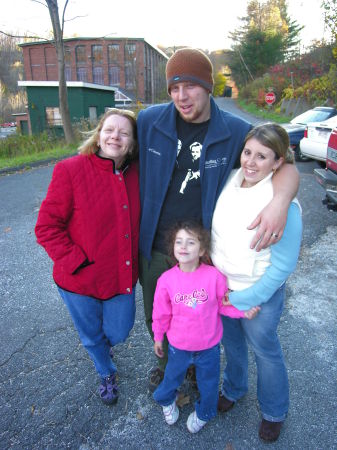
254	92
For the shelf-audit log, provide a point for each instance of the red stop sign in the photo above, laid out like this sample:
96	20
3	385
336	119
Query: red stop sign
270	98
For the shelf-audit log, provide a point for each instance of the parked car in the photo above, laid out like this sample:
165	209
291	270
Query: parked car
328	177
7	124
314	144
296	127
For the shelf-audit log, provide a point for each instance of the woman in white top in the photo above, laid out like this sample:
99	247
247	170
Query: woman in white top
256	278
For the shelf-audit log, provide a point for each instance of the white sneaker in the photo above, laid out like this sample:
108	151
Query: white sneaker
194	424
171	413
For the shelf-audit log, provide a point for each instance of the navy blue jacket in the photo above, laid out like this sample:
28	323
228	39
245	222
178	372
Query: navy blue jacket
157	137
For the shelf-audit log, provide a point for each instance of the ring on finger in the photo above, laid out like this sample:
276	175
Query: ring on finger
274	235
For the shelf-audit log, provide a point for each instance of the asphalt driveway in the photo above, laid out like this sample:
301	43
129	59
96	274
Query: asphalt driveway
48	386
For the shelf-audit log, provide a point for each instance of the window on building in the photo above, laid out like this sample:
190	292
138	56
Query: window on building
67	56
53	116
81	74
130	52
67	63
97	55
130	65
113	53
114	76
97	75
67	73
92	114
80	52
130	75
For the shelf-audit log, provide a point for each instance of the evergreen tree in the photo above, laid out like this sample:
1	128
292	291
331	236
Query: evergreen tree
267	36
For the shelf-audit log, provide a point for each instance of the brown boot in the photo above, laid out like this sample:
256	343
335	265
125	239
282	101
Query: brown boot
224	404
270	431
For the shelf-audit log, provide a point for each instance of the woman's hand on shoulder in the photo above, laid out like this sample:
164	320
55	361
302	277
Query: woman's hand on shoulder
271	222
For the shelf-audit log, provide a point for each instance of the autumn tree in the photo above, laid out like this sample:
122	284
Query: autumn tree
219	84
11	69
267	37
330	19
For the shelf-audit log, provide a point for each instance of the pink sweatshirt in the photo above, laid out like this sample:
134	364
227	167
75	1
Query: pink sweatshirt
187	307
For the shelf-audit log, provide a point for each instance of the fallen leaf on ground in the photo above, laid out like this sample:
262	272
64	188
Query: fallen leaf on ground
229	446
183	400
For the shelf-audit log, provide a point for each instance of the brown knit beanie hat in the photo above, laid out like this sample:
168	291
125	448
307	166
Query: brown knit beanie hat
189	64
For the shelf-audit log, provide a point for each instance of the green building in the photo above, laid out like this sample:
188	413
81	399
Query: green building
86	100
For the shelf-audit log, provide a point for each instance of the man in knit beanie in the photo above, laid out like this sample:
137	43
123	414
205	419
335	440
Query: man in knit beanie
189	75
192	65
178	183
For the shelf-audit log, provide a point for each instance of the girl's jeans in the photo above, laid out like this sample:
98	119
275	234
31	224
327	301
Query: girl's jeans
207	366
101	324
272	377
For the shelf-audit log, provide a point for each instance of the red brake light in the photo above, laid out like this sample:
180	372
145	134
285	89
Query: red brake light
306	132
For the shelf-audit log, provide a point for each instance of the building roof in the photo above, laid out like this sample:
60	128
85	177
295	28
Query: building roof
114	38
70	84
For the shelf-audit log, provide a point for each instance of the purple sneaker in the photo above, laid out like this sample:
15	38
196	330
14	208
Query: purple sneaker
108	390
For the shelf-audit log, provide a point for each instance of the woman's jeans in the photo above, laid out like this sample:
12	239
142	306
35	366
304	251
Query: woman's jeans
101	324
272	377
207	367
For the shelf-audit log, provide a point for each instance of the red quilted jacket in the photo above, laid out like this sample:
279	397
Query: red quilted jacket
91	215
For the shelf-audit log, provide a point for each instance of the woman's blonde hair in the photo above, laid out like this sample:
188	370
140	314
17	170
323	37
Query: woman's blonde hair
90	145
274	137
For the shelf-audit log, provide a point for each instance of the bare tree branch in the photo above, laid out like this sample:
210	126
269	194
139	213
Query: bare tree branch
23	37
63	14
76	17
37	1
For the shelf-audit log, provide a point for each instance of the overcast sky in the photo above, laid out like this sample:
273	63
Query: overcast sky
177	22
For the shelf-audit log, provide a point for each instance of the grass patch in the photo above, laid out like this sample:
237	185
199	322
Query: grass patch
270	114
18	150
21	160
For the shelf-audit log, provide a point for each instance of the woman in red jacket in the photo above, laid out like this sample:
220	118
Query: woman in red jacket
88	224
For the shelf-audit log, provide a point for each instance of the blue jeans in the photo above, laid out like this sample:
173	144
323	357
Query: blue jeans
207	367
272	377
101	324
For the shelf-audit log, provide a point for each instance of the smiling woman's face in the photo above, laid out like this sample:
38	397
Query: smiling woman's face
116	139
257	161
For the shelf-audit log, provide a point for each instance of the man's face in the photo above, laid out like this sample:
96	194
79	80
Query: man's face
192	101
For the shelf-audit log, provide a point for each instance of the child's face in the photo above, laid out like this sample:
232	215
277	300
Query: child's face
187	248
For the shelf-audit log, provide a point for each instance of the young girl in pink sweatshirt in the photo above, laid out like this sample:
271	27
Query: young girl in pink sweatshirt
187	305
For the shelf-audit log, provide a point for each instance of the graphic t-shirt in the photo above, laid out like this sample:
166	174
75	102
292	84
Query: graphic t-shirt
183	197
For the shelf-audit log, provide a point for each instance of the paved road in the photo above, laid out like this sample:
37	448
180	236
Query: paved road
48	397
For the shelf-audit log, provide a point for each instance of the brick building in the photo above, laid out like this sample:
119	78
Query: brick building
132	65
